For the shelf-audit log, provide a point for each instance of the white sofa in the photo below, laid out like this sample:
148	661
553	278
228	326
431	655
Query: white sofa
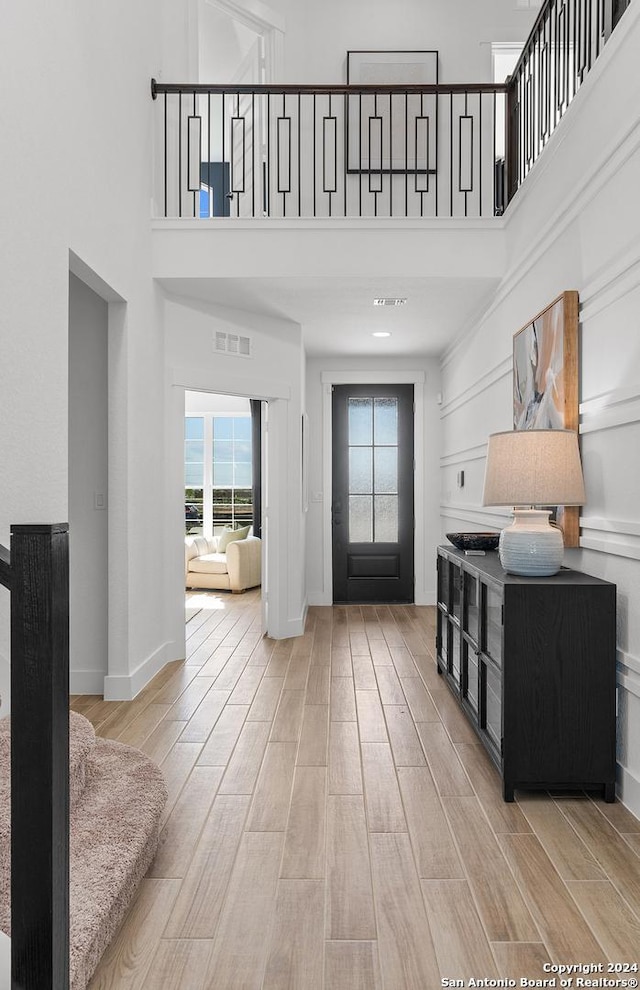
237	569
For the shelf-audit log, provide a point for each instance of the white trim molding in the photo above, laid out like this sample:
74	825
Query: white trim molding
616	280
628	546
490	378
617	526
373	377
619	407
628	679
628	790
479	517
476	453
86	681
125	687
616	548
251	388
628	672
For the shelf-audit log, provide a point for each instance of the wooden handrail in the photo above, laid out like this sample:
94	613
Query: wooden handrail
323	88
609	22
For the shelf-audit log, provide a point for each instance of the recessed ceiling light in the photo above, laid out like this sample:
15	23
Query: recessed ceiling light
384	301
381	333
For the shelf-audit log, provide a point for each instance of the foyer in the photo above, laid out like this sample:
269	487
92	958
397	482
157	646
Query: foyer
333	823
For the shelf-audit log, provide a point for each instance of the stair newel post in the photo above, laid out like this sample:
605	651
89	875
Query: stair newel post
40	757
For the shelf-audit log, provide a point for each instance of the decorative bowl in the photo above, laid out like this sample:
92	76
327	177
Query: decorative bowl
474	541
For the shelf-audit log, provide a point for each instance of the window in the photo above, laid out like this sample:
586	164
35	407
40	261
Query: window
218	472
373	470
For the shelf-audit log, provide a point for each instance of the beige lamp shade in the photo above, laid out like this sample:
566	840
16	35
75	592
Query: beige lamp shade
533	467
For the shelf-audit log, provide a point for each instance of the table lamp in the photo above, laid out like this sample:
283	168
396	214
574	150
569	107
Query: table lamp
527	468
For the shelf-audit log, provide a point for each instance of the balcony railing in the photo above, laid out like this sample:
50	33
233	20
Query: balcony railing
375	151
327	151
567	38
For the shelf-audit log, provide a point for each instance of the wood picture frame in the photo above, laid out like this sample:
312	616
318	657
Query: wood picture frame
545	383
392	134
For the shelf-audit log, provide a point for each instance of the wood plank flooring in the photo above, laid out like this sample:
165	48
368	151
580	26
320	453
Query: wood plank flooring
332	823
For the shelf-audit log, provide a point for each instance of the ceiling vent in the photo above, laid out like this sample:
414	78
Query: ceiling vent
232	343
389	302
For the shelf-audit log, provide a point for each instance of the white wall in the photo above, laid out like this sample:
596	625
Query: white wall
574	225
427	431
274	373
318	35
76	173
88	481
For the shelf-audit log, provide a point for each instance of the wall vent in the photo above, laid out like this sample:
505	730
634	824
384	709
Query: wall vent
232	343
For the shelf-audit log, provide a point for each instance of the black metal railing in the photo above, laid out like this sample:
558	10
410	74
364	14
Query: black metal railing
375	151
330	151
566	39
36	572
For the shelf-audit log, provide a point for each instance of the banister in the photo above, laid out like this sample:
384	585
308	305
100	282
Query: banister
39	572
323	89
5	567
354	150
325	150
609	22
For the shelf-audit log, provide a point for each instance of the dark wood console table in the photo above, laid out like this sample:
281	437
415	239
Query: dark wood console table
532	662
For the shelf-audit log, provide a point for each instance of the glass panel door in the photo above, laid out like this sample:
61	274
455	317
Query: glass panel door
470	676
372	493
443	628
373	470
492	609
456	591
443	581
455	654
493	706
471	619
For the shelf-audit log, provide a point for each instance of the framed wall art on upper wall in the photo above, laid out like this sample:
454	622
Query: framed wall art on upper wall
392	133
545	383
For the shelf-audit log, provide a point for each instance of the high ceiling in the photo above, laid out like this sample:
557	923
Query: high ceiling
338	317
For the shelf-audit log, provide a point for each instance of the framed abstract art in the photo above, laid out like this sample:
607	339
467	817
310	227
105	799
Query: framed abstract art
545	382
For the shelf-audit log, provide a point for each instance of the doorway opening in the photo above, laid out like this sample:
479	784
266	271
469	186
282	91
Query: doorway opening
223	455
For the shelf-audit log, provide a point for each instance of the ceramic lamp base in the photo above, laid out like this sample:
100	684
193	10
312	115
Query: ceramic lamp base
530	546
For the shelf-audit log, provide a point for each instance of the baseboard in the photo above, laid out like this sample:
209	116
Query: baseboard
428	598
290	628
297	625
5	960
629	790
124	687
86	681
319	598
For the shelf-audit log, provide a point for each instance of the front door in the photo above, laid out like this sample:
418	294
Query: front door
372	497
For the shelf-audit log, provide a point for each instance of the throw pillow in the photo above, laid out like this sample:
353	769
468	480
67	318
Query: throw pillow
228	535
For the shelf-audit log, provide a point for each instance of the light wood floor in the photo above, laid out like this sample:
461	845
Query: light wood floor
333	823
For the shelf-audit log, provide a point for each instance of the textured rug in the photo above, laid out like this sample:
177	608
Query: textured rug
117	797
